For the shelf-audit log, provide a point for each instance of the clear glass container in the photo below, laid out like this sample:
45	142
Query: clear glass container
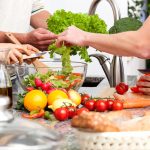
23	134
5	82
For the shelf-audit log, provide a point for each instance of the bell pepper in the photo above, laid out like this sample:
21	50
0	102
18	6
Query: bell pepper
34	116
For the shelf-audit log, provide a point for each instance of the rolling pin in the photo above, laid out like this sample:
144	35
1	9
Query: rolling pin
39	66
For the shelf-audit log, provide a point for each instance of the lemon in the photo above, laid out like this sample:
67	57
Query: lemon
63	102
56	94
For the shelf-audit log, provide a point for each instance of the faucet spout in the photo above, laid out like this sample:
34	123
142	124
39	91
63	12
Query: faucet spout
115	8
116	72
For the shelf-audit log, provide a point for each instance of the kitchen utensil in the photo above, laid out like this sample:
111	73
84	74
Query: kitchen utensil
35	55
23	134
40	67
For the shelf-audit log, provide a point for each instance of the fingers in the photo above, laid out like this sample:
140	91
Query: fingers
145	90
60	40
143	84
43	34
31	48
145	77
14	57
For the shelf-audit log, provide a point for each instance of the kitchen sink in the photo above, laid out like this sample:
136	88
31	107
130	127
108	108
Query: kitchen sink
92	81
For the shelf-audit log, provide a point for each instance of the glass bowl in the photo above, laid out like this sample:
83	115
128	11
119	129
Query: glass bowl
52	73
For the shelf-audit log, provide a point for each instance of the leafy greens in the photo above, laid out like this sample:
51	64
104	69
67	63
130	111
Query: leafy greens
62	19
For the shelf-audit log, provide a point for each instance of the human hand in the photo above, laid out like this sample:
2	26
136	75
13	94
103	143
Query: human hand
16	53
40	38
71	36
144	84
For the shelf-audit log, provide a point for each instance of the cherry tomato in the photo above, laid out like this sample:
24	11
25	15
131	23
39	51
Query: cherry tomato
101	105
38	82
61	114
121	88
71	111
89	104
29	88
117	105
80	110
110	104
135	89
124	86
84	97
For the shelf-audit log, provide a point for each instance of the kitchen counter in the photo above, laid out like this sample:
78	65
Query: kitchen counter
65	127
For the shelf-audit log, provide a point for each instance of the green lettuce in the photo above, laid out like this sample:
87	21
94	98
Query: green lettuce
60	21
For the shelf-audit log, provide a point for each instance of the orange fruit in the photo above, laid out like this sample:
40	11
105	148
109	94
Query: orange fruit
35	100
56	94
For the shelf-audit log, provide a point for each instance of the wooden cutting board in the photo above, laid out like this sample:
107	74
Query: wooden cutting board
133	100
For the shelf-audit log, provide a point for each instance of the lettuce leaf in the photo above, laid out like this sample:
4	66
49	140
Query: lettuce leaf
60	21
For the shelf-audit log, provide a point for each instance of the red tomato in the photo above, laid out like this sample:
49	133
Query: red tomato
135	89
29	88
89	104
124	86
110	104
38	82
101	105
80	110
121	88
71	111
61	114
84	97
117	105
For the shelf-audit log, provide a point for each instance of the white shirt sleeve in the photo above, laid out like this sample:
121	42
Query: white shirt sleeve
38	5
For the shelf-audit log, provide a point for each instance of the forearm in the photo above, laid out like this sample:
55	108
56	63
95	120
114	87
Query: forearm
20	36
123	44
39	19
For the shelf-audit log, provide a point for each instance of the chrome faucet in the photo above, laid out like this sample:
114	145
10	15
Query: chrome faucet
115	71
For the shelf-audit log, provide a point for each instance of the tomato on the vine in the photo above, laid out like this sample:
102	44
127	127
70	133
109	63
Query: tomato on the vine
61	114
80	110
117	105
101	105
110	104
71	111
90	104
84	98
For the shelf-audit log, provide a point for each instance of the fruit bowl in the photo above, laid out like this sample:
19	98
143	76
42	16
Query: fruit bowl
52	73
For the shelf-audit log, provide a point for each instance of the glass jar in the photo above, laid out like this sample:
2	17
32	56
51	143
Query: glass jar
5	82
